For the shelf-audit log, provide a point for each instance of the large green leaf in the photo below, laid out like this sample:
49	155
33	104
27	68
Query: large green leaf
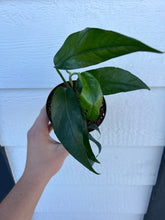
70	127
114	80
92	45
91	96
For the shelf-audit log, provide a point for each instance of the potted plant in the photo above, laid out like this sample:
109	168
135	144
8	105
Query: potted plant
77	107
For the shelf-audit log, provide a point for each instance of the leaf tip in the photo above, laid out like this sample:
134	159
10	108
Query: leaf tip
98	162
159	51
97	173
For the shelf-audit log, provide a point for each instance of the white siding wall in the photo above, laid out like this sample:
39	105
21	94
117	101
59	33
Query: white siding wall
133	134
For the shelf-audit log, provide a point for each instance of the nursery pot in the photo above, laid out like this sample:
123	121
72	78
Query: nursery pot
98	121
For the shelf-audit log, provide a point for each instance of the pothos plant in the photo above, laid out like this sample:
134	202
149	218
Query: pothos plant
75	103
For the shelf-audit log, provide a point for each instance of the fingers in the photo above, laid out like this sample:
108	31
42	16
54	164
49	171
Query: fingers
62	150
65	152
41	123
50	127
43	118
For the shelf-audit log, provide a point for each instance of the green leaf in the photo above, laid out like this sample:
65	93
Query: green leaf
93	45
114	80
70	126
89	151
96	142
91	96
94	127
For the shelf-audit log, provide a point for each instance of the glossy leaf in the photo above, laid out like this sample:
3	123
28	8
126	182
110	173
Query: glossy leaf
70	126
93	45
114	80
91	96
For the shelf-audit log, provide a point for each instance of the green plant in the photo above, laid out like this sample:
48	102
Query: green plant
70	107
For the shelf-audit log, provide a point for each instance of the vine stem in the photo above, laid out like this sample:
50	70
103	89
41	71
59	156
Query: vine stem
77	93
65	82
68	72
70	80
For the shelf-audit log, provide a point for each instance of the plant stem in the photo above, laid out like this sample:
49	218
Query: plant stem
70	80
68	72
65	82
78	95
72	74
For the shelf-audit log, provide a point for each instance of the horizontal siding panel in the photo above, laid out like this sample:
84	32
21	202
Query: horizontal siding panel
121	166
34	31
133	119
95	199
86	216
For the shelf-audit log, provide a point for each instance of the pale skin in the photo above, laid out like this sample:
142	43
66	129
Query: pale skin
45	157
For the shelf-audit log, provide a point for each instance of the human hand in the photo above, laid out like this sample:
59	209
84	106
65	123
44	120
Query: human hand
45	156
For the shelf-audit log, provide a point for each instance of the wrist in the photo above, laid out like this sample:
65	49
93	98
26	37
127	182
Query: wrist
35	177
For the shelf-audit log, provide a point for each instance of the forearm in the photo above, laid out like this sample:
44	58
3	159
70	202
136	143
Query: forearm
45	157
23	198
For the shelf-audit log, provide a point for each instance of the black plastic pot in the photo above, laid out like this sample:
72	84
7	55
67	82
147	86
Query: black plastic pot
98	121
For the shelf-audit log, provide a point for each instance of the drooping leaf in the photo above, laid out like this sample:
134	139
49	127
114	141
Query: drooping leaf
96	142
93	45
114	80
91	156
94	127
70	126
91	96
